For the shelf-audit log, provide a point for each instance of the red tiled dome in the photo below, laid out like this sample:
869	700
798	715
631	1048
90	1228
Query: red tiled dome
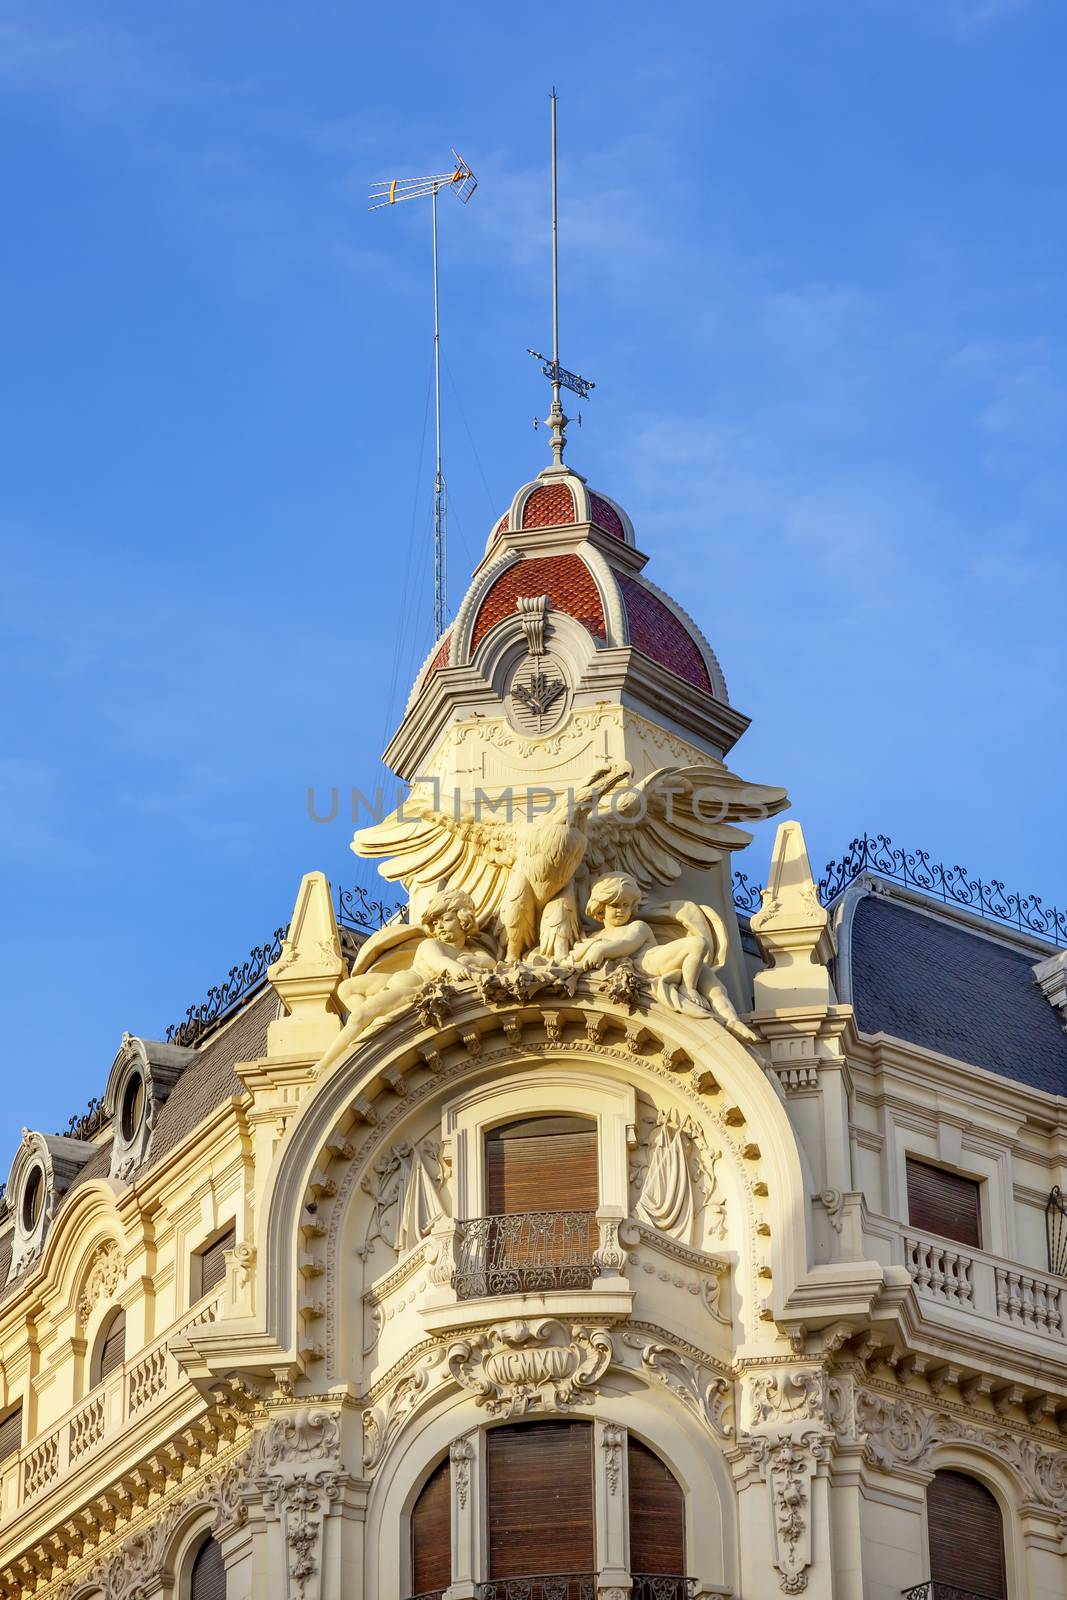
605	516
565	579
501	525
551	506
440	659
658	633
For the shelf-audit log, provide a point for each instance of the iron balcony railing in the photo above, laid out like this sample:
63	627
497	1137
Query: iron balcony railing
934	1589
661	1586
1056	1232
541	1586
525	1252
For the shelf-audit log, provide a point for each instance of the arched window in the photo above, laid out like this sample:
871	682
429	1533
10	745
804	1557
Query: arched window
657	1526
110	1346
540	1503
207	1580
966	1533
541	1196
431	1534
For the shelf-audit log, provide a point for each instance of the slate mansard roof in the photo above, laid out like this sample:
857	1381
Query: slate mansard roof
922	973
206	1083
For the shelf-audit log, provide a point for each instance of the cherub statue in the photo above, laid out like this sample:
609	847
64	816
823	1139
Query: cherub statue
386	974
684	970
529	872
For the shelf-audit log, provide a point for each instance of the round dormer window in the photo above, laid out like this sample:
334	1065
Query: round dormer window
132	1106
32	1200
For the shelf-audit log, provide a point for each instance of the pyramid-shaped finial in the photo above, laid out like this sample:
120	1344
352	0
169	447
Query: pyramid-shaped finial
306	974
792	928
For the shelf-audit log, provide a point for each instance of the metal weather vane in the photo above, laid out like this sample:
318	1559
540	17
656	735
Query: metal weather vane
390	192
559	376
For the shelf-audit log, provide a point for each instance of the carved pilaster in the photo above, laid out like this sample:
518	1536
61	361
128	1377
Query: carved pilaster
465	1466
611	1502
297	1467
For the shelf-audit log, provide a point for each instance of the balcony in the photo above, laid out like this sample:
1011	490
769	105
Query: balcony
660	1586
548	1586
579	1586
1010	1297
933	1589
527	1252
105	1414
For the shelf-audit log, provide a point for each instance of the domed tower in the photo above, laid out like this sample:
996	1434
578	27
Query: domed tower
568	681
562	651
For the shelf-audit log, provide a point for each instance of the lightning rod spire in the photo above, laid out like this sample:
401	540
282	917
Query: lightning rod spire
559	376
390	192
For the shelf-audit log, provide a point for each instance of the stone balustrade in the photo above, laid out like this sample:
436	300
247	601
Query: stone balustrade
99	1417
989	1286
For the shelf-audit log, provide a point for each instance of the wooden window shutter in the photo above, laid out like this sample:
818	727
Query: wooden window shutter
540	1491
944	1203
213	1260
545	1164
966	1535
431	1533
11	1433
113	1348
657	1514
208	1580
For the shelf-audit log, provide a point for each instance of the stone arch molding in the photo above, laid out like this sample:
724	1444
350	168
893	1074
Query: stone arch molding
450	1423
331	1142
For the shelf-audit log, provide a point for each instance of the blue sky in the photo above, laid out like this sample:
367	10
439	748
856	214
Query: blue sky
813	255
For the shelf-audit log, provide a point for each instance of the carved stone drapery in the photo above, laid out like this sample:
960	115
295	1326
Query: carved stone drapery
674	1175
405	1186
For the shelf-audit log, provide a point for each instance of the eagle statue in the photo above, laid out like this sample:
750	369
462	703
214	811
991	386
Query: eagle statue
527	872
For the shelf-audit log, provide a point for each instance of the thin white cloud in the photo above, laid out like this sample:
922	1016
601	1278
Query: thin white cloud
970	15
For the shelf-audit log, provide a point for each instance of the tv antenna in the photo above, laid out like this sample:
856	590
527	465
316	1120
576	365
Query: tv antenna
462	183
558	376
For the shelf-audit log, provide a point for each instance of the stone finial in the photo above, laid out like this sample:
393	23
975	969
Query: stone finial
306	974
792	928
1051	977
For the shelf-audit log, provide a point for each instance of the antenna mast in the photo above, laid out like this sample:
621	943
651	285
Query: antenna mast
559	376
462	182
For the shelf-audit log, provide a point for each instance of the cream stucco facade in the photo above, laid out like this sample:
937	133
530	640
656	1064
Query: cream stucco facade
759	1311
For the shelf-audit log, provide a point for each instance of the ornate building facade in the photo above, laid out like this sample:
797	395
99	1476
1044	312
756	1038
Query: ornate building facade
572	1236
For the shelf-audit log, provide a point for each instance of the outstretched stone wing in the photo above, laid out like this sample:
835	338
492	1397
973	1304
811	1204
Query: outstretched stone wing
426	848
676	817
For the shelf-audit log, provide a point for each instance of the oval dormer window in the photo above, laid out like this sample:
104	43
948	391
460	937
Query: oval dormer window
32	1200
132	1106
